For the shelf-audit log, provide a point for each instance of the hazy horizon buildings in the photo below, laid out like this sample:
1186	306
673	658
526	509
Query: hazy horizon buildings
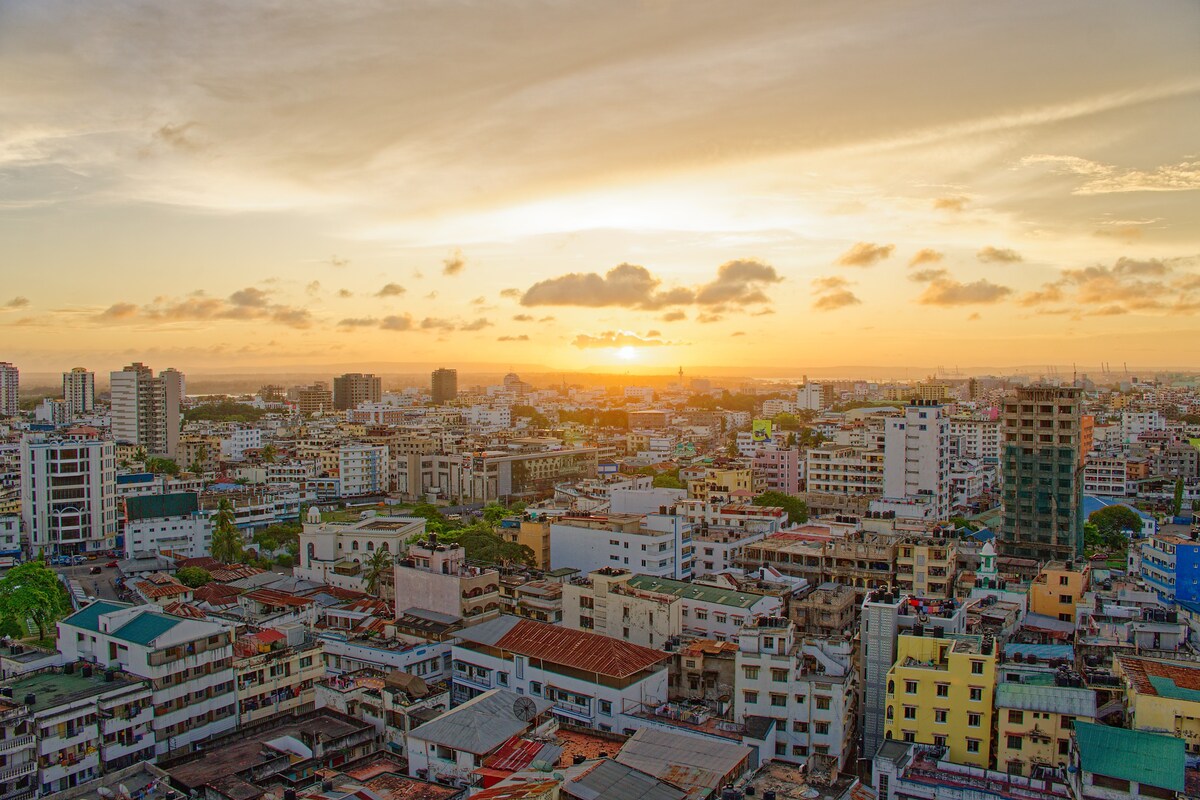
10	390
79	391
353	388
146	409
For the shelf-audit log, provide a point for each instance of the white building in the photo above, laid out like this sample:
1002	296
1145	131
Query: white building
363	469
167	523
655	544
808	688
79	391
837	469
1106	476
916	463
11	541
10	390
53	412
235	445
68	493
333	552
146	409
1135	423
489	418
643	394
593	681
976	438
189	663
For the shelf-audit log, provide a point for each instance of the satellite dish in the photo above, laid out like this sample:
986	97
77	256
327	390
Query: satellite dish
524	709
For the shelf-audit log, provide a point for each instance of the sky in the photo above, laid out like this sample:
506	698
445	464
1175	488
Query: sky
599	185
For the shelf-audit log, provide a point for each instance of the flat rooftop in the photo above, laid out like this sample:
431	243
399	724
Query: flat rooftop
54	688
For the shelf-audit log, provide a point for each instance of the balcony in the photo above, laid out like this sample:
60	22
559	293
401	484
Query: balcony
20	770
17	742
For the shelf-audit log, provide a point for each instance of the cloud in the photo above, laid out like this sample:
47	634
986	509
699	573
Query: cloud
737	333
1108	179
396	322
15	303
337	262
1049	293
998	255
391	290
865	254
705	318
250	303
292	317
547	318
833	292
478	301
436	324
952	203
674	316
118	311
454	263
522	338
510	293
313	288
250	298
925	256
947	292
522	318
176	137
358	322
344	293
927	275
1129	266
739	282
476	325
616	339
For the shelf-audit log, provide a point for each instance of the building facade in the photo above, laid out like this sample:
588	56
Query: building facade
68	494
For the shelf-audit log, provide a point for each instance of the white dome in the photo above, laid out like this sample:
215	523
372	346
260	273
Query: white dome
314	515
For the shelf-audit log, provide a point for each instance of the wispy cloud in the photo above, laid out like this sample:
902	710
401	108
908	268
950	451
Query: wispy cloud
947	292
925	256
865	254
738	283
1101	178
617	339
391	290
998	255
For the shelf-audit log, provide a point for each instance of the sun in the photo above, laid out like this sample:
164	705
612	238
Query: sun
627	353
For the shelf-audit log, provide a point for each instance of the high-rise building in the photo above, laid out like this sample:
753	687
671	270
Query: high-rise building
10	383
313	399
444	385
353	388
1043	477
916	462
146	409
68	493
79	391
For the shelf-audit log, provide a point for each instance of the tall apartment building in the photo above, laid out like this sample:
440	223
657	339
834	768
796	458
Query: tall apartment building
916	463
353	388
317	398
146	409
444	385
68	494
188	663
814	396
10	386
1043	480
79	391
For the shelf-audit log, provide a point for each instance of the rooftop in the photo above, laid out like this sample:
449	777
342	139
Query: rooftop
479	725
1172	679
695	592
1150	758
1072	701
54	687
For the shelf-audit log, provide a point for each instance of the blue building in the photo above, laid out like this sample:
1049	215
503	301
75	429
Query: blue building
1171	568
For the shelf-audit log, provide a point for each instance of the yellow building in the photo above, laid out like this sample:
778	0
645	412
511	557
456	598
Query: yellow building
1057	589
721	483
1034	724
940	692
275	676
534	534
927	567
1162	697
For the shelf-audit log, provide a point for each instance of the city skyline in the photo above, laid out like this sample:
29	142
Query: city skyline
636	186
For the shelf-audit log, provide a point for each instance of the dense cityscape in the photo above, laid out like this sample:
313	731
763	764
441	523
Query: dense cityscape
525	588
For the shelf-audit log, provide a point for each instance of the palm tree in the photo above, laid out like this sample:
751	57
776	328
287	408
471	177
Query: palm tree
227	541
375	567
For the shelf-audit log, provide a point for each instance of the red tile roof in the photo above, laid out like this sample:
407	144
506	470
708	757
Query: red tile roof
273	597
1140	671
590	652
162	590
179	609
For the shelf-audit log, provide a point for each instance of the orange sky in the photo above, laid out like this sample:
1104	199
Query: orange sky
599	184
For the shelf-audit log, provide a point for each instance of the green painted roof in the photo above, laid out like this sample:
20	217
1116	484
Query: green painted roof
145	628
178	504
1150	758
89	617
1165	687
693	591
54	687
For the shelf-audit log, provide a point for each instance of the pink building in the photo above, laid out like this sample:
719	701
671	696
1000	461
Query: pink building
782	469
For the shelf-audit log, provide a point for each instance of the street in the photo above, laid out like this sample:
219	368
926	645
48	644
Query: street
99	586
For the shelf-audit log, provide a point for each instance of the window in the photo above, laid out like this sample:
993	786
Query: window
604	707
535	688
940	715
751	697
781	748
976	694
973	719
701	613
779	675
1066	599
1068	722
1064	747
502	677
910	687
799	750
822	701
976	667
1016	716
750	672
800	699
1015	742
779	700
939	740
943	690
910	712
822	728
910	736
1063	580
972	745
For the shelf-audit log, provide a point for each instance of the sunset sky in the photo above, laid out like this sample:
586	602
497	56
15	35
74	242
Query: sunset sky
590	184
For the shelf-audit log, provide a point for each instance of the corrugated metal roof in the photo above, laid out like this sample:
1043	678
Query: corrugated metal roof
89	616
1073	701
1150	758
609	780
145	628
1047	652
178	504
590	652
694	591
683	760
479	725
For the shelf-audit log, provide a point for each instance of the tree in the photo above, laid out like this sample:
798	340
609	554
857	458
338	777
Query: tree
32	591
166	465
785	421
285	560
1111	524
797	509
227	543
484	544
668	481
1178	496
493	513
269	454
193	577
375	567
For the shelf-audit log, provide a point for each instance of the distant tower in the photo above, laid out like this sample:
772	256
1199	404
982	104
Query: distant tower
444	385
681	376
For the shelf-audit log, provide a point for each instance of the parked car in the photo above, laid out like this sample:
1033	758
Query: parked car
111	565
77	560
61	561
94	571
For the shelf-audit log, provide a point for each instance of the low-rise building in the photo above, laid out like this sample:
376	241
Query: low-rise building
435	576
167	523
1034	724
276	671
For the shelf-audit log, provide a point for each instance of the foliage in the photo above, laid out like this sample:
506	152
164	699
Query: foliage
285	559
809	437
1178	506
32	591
227	546
785	421
482	543
668	481
610	418
10	628
375	567
797	509
193	577
158	465
727	402
224	411
1110	524
282	534
536	418
269	454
